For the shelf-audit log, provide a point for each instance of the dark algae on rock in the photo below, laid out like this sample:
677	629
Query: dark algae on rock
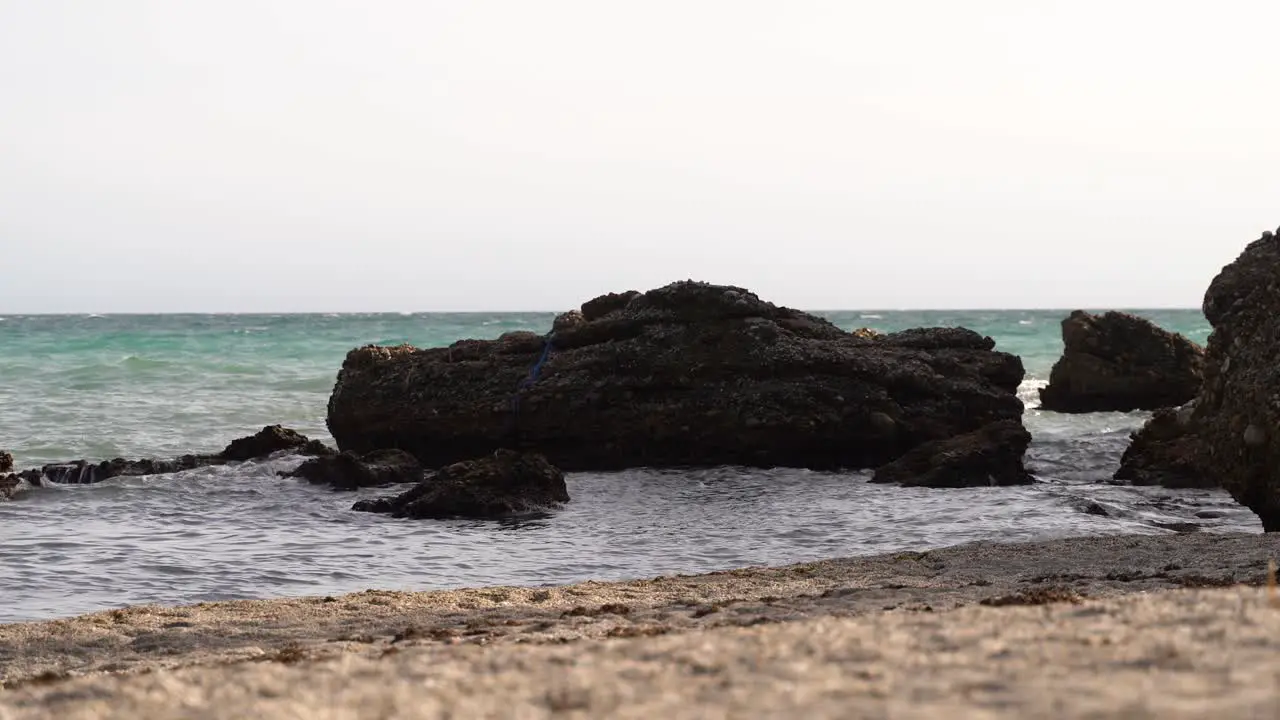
1120	362
690	374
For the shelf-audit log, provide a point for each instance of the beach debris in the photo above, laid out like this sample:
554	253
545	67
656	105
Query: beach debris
989	456
1121	362
687	375
505	483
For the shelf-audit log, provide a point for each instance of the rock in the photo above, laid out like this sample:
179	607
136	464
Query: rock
506	483
347	471
568	321
265	442
1116	361
1165	452
269	440
9	486
866	333
1237	413
6	462
989	456
690	374
605	304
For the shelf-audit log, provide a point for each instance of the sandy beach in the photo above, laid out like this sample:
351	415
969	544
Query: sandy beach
1127	626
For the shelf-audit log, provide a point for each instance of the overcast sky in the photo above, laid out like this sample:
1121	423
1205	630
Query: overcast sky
296	155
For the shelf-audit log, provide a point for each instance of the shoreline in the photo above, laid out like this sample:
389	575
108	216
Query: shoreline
102	664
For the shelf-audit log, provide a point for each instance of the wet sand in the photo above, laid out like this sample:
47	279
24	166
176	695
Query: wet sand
1130	626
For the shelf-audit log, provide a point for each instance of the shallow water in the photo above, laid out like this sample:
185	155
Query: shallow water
237	532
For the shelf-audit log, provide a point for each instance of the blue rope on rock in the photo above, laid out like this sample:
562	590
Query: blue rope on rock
527	382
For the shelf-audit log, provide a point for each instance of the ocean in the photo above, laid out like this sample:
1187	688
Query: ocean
98	387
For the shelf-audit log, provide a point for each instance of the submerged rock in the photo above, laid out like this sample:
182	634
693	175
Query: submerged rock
1116	361
348	471
989	456
266	442
690	374
505	483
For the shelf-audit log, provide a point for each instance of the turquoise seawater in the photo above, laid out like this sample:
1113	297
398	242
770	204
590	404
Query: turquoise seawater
161	385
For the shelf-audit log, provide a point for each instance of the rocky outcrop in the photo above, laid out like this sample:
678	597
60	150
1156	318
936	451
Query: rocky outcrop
6	462
1230	436
690	374
1166	452
1237	414
348	471
1116	361
267	441
506	483
989	456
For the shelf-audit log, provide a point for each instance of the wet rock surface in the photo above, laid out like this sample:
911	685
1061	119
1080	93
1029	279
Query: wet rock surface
268	441
348	471
989	456
690	374
507	483
1120	362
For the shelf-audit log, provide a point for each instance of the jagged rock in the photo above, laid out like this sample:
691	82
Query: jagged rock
272	439
269	440
690	374
1117	361
506	483
989	456
6	462
347	471
1166	452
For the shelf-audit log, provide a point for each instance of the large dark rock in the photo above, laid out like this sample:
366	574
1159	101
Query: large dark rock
506	483
1166	452
265	442
989	456
347	471
1117	361
690	374
1237	415
1231	436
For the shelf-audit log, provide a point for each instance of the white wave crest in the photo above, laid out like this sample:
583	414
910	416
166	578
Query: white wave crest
1029	392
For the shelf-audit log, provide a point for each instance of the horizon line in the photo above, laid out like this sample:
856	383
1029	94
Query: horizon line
70	313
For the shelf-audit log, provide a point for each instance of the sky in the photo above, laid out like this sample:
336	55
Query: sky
317	155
